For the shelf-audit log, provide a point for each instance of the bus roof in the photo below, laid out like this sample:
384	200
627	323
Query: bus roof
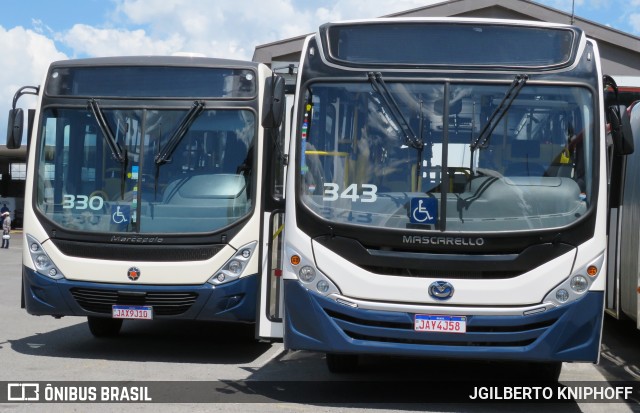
156	61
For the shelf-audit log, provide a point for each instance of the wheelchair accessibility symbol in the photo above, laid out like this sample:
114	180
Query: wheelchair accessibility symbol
120	214
423	211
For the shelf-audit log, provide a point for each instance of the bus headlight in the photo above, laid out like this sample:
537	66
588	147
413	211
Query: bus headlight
41	261
235	266
577	284
562	295
322	286
308	275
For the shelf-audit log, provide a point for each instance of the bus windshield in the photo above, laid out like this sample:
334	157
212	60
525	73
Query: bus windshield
409	155
203	185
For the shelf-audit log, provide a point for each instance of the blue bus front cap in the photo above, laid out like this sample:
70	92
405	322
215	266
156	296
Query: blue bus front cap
235	301
317	323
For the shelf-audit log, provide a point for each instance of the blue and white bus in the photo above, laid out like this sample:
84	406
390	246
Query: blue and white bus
447	193
148	191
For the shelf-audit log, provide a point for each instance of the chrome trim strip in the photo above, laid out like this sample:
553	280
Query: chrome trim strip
445	310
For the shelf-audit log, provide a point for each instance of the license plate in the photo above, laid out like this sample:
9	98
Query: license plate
132	312
440	323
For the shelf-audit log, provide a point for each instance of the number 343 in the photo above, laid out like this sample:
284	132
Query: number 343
332	192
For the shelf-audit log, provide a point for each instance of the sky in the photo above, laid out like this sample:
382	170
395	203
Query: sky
34	33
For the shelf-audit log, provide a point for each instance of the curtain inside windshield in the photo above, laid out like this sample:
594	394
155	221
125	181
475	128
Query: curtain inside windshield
204	185
391	159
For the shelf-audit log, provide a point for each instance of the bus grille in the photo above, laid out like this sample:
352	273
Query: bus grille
165	303
479	334
132	252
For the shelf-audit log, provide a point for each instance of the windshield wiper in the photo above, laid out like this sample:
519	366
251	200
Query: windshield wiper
482	141
117	152
166	151
381	88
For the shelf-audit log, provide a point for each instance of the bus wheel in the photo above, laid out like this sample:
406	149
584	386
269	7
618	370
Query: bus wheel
342	363
104	327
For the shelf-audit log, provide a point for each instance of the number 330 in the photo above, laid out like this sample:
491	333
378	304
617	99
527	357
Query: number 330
82	202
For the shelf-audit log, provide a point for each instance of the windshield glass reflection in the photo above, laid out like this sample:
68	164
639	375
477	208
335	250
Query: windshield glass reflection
204	185
360	165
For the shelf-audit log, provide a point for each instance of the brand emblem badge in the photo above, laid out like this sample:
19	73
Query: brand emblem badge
441	290
133	274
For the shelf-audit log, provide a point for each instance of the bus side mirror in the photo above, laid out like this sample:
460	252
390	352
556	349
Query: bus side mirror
14	128
274	101
621	130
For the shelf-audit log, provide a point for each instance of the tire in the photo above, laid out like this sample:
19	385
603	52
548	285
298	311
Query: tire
104	327
342	363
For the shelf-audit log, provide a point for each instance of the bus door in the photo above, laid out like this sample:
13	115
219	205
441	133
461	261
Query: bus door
270	308
276	140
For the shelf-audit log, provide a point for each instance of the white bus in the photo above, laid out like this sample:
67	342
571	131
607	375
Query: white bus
446	193
148	193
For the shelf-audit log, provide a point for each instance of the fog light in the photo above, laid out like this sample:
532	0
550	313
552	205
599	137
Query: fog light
562	295
579	284
307	274
322	286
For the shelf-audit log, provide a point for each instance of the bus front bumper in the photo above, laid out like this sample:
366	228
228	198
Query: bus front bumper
317	323
234	302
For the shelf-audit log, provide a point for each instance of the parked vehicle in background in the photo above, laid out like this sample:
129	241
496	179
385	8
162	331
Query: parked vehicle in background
149	188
